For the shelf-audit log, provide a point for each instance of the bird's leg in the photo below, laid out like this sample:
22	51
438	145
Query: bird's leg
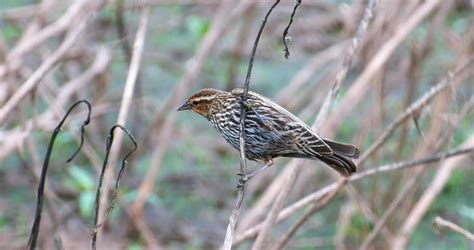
244	178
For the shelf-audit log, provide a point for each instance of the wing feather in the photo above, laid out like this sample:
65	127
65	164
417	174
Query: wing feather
323	147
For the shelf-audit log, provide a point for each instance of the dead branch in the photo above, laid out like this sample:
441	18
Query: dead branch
108	209
316	206
220	23
427	198
294	170
289	210
362	84
46	66
125	104
439	222
39	201
243	168
416	106
346	64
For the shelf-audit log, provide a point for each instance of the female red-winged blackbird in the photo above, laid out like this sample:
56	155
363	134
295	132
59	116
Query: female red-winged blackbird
270	130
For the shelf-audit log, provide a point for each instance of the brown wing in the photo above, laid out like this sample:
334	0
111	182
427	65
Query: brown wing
296	139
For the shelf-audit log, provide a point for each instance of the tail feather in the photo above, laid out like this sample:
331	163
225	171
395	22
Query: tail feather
341	159
343	149
343	165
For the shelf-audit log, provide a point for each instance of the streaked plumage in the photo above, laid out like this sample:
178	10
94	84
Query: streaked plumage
270	130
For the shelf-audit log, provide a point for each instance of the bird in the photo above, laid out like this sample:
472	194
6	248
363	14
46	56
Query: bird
271	131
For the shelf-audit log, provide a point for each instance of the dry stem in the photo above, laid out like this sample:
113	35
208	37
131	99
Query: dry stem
440	222
125	106
289	210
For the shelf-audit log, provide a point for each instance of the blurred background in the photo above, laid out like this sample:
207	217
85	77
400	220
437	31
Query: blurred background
136	62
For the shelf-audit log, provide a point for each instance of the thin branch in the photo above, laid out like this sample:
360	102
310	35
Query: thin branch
294	170
362	84
39	200
394	205
439	222
73	15
221	21
318	60
346	64
122	30
243	170
71	38
246	90
21	12
303	76
122	34
429	195
289	210
316	206
286	37
415	107
406	188
110	140
127	97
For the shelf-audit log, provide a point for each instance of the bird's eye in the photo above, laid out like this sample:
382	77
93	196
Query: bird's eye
194	102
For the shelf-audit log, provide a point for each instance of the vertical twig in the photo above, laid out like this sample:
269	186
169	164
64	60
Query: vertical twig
220	23
122	35
416	106
39	200
286	37
294	170
127	97
361	85
243	169
346	64
110	140
407	187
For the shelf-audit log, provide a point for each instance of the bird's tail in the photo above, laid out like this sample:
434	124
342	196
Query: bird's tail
341	159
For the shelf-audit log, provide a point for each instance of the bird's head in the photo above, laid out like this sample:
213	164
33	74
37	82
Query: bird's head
201	101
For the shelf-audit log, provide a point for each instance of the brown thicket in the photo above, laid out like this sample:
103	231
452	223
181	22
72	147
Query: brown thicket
395	78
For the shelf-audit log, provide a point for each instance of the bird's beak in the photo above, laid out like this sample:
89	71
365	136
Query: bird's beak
184	107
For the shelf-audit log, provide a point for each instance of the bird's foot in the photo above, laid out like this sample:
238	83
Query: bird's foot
243	180
246	177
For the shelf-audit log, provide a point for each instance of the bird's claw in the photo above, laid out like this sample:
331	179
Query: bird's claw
241	184
242	180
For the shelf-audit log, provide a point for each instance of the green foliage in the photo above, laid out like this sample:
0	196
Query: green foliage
86	204
108	12
467	212
464	131
358	226
453	192
347	130
3	222
79	179
83	182
197	26
10	32
135	246
455	205
455	182
458	20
